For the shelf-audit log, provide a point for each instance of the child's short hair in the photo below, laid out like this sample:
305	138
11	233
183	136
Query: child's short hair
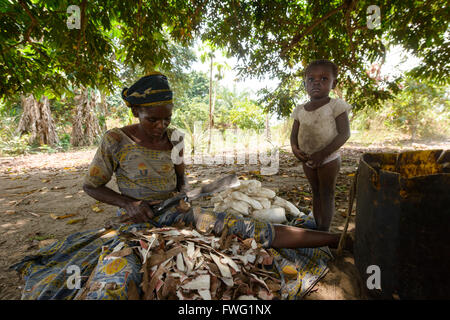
323	62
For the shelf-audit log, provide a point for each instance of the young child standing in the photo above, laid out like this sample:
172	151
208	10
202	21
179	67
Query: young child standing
321	126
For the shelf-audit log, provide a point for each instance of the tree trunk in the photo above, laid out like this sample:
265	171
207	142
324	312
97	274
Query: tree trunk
213	107
414	118
268	135
210	103
37	120
85	123
104	107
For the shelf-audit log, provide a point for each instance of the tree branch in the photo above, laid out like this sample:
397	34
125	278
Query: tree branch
349	27
33	24
8	14
198	8
139	18
34	21
14	45
83	27
298	37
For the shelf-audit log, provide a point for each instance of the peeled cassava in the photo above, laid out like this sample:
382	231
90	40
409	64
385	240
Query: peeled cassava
250	199
243	197
250	186
225	193
263	193
223	205
240	206
264	202
274	215
277	201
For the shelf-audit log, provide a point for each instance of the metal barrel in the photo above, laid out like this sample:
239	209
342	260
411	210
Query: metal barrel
403	224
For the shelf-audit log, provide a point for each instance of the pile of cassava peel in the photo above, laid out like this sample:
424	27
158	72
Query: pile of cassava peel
186	265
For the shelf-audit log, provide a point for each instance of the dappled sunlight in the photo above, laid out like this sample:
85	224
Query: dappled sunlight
66	161
18	223
13	231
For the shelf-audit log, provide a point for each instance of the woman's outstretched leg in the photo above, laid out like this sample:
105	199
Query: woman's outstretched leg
294	237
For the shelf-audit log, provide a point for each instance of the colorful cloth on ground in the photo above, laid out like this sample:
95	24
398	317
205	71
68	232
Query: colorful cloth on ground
245	227
205	220
50	273
153	89
141	173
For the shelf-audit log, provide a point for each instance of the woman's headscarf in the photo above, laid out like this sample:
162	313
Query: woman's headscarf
153	89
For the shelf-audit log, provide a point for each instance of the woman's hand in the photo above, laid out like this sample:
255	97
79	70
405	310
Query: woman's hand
138	211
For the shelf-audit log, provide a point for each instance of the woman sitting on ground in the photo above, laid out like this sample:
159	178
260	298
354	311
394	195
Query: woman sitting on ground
141	157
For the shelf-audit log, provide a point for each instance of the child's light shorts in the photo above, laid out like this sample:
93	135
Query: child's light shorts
335	155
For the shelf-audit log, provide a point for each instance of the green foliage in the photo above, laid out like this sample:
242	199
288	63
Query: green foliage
64	141
247	115
419	108
62	110
281	132
10	108
12	143
40	54
118	42
281	100
279	38
185	117
235	108
420	111
195	85
116	106
232	108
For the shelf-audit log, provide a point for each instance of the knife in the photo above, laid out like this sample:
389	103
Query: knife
218	185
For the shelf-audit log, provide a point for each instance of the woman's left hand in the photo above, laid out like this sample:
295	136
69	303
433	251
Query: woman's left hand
139	211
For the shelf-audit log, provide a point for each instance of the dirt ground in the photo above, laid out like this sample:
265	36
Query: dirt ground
36	191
